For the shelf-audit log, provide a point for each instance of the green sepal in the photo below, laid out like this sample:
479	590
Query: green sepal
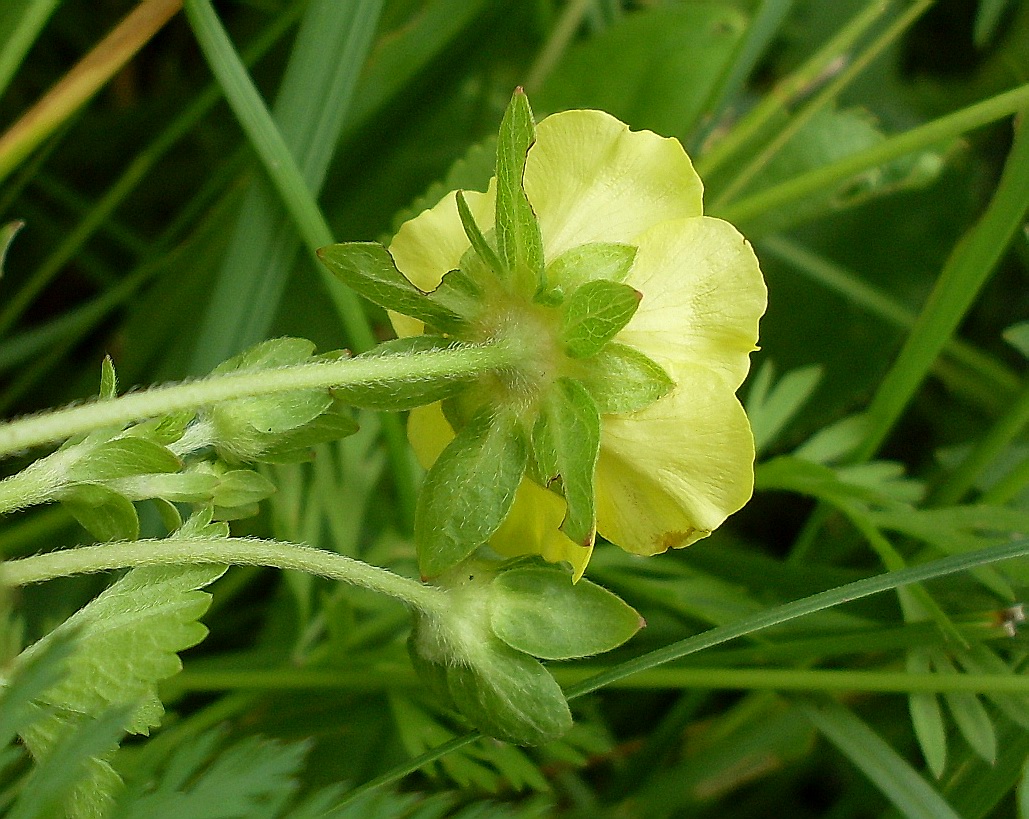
103	512
591	262
482	248
622	379
594	314
369	270
108	380
460	290
543	466
502	692
121	458
519	240
573	424
510	696
469	490
539	610
403	395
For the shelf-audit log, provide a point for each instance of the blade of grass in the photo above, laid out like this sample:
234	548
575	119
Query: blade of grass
88	76
876	759
830	92
311	109
722	634
561	35
134	173
20	24
289	182
924	136
963	275
795	85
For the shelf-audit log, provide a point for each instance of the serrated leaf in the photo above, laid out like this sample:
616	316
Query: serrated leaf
103	512
573	424
30	680
608	261
201	524
594	314
127	641
72	771
539	611
622	379
369	270
404	395
519	241
469	490
121	457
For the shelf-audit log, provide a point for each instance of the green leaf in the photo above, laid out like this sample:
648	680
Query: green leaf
971	717
179	487
770	409
1017	335
586	263
368	269
927	717
7	234
884	767
594	314
518	233
103	512
296	445
469	490
482	248
71	769
401	395
121	457
541	612
108	379
622	379
241	487
574	431
510	696
126	642
29	681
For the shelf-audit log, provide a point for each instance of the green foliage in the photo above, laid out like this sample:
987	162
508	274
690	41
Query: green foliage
161	232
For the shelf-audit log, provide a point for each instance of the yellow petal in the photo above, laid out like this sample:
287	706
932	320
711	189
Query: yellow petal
532	528
672	472
429	433
590	179
429	246
702	297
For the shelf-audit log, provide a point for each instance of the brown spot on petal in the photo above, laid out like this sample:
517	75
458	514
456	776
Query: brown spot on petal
676	540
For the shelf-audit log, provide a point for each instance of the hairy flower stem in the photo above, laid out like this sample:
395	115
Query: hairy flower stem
232	551
58	425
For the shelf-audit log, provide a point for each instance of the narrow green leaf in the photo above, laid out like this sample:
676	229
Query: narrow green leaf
30	681
20	24
927	717
7	234
403	395
622	379
518	233
469	490
122	457
296	445
594	314
1017	335
103	512
482	247
884	767
368	269
586	263
541	612
770	409
575	431
182	487
971	717
108	379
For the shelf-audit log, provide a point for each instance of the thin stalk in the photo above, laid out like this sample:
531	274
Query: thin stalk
925	136
1006	430
819	101
1009	486
796	84
230	551
561	35
61	424
86	78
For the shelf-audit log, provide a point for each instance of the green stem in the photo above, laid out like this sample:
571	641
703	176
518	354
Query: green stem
932	133
232	551
64	423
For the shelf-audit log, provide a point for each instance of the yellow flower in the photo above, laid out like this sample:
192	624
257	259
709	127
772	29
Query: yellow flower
670	473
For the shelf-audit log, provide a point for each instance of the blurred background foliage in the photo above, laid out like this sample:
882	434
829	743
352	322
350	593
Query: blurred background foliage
153	235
